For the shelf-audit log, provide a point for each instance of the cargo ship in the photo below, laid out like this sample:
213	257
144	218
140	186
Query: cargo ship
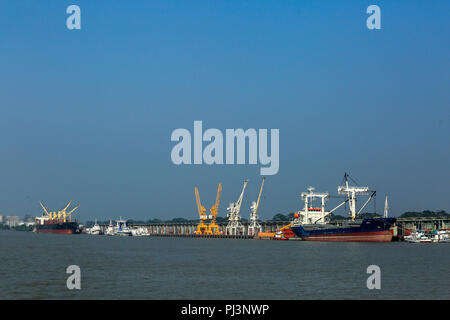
57	222
313	222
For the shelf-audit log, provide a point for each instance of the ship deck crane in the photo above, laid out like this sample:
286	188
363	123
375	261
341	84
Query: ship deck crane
352	192
61	215
255	227
235	226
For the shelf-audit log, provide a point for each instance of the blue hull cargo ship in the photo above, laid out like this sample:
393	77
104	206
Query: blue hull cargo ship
313	222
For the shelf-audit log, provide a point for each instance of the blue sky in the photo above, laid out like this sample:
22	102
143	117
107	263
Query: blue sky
87	114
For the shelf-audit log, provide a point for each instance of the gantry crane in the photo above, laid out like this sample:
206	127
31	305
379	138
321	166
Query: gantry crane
255	227
234	226
213	228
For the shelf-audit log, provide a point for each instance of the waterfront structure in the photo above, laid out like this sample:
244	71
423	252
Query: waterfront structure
12	221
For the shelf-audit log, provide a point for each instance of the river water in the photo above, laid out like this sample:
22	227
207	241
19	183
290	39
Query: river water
33	266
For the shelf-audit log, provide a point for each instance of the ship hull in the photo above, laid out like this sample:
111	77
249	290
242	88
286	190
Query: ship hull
379	236
369	230
59	228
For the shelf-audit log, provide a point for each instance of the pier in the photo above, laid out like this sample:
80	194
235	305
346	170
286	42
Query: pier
187	229
432	223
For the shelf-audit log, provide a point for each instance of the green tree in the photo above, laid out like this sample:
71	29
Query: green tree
280	217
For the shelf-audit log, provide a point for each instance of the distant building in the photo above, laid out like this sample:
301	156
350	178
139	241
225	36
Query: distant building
1	219
12	221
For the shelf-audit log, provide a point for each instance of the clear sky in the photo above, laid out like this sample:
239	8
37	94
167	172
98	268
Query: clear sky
86	115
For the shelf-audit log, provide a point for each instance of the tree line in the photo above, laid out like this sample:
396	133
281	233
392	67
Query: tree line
283	217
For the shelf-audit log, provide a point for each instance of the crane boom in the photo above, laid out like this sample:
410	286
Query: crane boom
215	207
71	211
65	208
45	210
239	202
200	208
259	197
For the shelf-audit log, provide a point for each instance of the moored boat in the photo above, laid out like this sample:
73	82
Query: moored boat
57	222
313	223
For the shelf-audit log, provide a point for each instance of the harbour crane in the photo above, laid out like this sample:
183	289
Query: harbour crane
235	226
213	228
202	228
255	227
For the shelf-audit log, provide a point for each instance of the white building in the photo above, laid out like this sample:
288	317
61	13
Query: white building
12	221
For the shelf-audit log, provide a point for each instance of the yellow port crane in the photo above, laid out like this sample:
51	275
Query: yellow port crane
202	228
213	228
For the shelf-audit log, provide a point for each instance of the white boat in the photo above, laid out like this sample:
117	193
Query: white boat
121	228
441	236
95	230
110	229
420	237
140	232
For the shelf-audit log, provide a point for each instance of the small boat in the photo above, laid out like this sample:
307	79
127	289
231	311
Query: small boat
95	230
418	237
121	228
442	236
140	232
110	229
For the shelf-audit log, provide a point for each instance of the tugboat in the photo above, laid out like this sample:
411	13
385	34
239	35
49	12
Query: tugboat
314	224
57	222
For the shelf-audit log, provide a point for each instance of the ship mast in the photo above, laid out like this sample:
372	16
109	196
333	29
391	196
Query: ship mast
386	208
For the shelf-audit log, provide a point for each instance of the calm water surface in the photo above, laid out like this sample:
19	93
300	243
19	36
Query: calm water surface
33	266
